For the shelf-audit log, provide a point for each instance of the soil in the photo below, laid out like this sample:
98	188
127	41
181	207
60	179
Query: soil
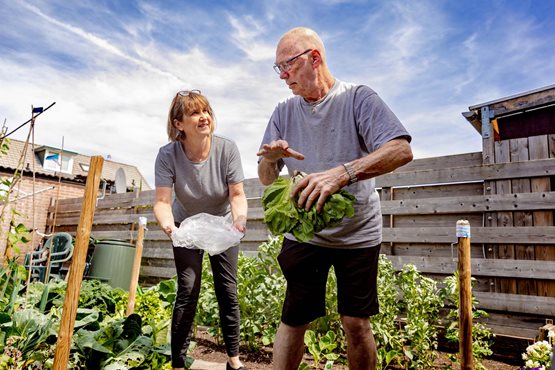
207	349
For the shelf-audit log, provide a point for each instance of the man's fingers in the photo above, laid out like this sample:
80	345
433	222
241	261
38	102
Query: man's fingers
293	153
278	149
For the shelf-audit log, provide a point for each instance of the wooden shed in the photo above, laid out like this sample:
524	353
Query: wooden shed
520	128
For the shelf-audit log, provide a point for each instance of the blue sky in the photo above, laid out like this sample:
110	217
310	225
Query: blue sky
112	67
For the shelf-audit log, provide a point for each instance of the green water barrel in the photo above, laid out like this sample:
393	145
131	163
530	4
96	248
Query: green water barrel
112	262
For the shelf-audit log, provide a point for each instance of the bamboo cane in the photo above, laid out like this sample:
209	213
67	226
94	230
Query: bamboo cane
136	266
465	296
71	300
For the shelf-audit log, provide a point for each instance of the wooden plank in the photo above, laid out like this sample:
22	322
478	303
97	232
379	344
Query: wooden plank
435	220
253	188
254	202
489	219
165	251
521	103
114	200
504	219
107	204
440	191
521	269
490	235
255	213
519	152
483	203
155	271
158	235
516	303
109	219
543	167
429	250
516	325
159	252
436	163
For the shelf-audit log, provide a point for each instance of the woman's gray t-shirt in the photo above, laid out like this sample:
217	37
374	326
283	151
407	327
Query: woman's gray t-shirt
350	122
203	186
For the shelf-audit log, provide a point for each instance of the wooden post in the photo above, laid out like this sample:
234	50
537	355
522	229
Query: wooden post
465	296
136	266
71	300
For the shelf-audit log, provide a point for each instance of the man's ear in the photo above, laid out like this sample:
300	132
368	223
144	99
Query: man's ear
316	58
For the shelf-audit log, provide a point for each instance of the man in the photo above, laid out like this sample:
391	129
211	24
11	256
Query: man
341	135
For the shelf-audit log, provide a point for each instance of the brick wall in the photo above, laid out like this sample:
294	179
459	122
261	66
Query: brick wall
45	190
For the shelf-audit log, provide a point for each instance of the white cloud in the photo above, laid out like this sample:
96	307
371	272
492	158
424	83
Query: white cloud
246	33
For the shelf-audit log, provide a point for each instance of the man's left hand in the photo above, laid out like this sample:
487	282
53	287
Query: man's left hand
317	187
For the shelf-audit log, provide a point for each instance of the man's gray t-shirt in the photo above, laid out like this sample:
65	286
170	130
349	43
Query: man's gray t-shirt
203	186
350	122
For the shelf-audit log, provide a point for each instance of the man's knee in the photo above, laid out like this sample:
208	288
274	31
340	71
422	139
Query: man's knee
355	325
293	330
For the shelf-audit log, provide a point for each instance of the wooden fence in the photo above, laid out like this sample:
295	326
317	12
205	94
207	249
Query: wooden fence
513	261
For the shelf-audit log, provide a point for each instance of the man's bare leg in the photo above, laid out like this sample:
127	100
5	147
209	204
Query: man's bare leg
361	347
288	347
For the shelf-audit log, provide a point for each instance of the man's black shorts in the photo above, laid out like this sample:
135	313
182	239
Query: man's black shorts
306	268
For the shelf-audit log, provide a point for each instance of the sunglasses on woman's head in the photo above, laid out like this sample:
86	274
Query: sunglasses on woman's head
188	92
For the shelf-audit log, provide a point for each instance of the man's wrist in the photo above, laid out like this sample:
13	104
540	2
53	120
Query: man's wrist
350	172
270	162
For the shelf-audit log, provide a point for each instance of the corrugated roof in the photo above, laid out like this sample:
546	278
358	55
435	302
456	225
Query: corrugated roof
133	176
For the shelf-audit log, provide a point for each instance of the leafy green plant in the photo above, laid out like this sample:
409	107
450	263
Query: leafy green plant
99	295
421	305
482	337
282	215
12	277
18	234
385	325
118	344
260	294
321	346
27	330
103	337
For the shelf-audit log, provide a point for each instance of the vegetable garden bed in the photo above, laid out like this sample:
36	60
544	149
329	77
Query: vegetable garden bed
207	349
106	338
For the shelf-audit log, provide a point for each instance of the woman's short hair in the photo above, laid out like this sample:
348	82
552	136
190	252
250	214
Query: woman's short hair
185	103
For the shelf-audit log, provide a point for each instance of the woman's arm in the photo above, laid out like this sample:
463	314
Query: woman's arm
239	206
163	209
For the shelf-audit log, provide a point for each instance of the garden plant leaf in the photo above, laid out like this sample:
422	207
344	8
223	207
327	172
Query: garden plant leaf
281	214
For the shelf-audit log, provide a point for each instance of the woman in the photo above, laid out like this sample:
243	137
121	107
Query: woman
205	172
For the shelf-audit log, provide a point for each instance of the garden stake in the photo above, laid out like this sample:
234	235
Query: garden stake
71	300
136	266
465	296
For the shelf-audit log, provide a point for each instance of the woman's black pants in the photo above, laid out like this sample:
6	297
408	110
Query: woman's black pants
188	263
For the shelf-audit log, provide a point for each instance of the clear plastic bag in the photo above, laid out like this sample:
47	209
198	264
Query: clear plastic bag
213	234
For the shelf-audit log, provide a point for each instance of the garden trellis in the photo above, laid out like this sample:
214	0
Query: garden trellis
15	183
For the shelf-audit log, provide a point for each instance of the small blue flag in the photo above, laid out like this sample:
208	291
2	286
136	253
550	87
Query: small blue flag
37	110
53	156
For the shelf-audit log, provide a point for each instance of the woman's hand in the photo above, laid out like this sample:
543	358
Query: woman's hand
168	230
240	224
